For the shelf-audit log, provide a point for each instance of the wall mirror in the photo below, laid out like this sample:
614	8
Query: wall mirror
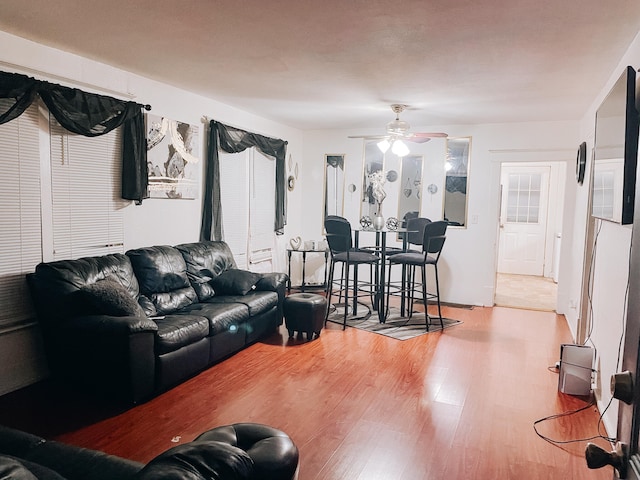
403	183
456	181
333	185
373	162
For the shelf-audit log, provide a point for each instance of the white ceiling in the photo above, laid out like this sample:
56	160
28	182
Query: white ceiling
341	63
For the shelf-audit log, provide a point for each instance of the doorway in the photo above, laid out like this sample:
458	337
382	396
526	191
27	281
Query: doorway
530	222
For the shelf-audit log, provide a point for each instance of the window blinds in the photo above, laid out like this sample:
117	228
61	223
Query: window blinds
262	211
234	198
20	223
87	210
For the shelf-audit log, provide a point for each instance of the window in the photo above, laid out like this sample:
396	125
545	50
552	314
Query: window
20	223
248	207
523	197
79	215
86	209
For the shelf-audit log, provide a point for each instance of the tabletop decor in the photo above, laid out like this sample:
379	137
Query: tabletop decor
378	179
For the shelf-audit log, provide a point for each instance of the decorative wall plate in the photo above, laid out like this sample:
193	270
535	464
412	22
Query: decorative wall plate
291	182
432	188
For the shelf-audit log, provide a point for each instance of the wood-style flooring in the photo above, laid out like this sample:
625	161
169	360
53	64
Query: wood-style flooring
458	404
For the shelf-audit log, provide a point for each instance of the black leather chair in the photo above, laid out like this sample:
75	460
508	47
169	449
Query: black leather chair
338	232
432	243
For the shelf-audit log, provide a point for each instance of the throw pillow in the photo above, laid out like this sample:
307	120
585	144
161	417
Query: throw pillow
235	282
108	297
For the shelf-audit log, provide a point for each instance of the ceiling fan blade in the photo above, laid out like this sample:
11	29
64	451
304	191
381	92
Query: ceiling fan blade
369	137
418	139
429	134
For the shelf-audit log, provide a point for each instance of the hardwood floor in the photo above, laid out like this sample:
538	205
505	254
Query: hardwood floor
458	404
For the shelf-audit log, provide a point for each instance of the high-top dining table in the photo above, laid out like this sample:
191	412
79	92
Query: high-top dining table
381	248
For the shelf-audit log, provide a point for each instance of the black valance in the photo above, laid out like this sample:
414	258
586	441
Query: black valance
86	114
233	140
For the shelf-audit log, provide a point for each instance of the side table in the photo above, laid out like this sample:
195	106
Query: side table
304	252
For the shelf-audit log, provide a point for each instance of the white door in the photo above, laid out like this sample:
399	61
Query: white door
523	219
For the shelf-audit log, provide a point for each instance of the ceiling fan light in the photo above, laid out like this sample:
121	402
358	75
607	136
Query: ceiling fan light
399	148
384	145
397	126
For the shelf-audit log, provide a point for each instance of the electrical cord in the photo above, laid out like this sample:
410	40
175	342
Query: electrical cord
592	403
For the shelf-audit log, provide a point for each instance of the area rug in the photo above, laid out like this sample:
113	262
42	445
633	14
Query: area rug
400	328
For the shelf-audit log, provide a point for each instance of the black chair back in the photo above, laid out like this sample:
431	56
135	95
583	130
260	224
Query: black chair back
415	230
338	234
434	237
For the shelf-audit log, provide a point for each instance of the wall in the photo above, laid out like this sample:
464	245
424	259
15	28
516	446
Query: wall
608	266
467	265
155	221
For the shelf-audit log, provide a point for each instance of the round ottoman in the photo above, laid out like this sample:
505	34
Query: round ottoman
305	312
274	455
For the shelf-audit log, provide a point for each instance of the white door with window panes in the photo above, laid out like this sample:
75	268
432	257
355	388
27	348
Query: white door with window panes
523	219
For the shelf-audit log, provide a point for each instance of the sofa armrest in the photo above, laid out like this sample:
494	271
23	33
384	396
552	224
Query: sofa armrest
275	282
113	356
106	324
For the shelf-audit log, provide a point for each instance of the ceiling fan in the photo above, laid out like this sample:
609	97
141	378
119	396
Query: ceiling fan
397	131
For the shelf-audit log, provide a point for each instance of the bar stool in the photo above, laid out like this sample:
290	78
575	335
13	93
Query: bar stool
338	231
432	243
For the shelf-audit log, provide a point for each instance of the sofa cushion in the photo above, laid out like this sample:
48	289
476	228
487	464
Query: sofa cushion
223	317
162	276
205	261
257	302
235	282
177	331
201	460
108	297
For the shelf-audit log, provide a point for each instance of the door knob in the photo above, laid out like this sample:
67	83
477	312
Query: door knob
622	387
598	457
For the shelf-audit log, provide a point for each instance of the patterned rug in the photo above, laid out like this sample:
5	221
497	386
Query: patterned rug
400	328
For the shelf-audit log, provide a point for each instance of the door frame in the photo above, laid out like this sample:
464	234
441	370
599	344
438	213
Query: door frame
560	159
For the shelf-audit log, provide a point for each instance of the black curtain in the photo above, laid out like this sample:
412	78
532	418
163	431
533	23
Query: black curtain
233	140
86	114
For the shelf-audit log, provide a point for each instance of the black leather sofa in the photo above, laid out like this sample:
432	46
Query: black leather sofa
243	451
133	325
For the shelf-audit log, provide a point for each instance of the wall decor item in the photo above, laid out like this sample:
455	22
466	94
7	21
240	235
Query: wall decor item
173	158
291	182
432	188
581	162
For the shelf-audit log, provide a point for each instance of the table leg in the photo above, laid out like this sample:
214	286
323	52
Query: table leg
382	314
304	264
289	272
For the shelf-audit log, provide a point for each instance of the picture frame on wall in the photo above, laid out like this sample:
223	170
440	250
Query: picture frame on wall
173	158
